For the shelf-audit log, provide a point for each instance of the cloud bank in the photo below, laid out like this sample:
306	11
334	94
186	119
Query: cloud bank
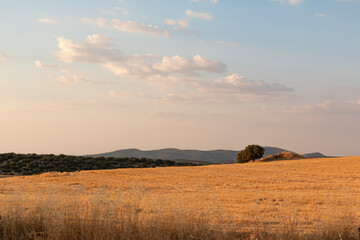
201	15
184	79
47	21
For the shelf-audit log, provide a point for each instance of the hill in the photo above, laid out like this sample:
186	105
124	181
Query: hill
314	155
214	156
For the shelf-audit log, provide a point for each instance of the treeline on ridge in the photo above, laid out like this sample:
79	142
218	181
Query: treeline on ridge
29	164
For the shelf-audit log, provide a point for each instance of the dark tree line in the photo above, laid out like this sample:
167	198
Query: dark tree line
29	164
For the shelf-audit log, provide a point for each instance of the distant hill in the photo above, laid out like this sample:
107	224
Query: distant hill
214	156
314	155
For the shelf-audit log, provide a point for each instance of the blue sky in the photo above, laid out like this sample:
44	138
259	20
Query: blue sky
81	77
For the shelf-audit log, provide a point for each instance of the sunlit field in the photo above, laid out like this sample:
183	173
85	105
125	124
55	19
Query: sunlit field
313	198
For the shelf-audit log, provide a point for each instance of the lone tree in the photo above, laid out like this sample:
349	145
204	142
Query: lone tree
250	153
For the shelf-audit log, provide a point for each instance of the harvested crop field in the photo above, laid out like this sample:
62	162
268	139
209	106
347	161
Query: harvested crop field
300	194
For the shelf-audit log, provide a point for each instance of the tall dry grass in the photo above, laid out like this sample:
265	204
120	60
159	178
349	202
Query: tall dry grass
305	199
139	214
104	215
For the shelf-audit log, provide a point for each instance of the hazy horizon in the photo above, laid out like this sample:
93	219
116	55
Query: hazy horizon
182	149
89	77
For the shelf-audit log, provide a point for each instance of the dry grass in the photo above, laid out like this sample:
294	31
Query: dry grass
302	199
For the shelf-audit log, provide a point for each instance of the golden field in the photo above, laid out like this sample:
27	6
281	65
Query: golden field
301	195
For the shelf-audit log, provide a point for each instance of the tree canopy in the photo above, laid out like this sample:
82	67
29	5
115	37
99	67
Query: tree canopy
250	153
29	164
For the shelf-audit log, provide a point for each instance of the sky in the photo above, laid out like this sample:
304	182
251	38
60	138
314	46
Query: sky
92	76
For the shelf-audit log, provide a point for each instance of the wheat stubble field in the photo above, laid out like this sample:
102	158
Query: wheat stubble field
312	198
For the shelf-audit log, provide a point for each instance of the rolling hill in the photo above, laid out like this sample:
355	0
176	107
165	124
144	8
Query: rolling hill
314	155
214	156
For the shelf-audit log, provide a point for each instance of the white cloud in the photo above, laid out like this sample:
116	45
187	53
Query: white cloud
138	68
240	84
170	22
183	23
3	57
227	90
180	25
96	49
329	107
47	21
70	80
320	15
201	15
109	13
179	64
319	106
123	11
172	74
291	2
178	22
230	89
128	26
226	43
99	49
132	68
295	2
211	1
354	102
213	97
100	22
39	64
121	95
165	83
